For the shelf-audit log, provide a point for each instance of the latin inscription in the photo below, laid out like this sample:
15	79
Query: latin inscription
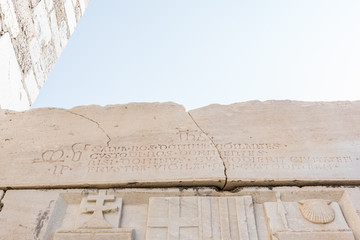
264	156
141	158
160	157
191	151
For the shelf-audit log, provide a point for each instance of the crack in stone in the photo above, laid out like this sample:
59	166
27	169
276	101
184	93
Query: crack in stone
212	141
2	195
91	120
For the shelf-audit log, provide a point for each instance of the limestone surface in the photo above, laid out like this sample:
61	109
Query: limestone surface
121	145
284	142
164	214
160	144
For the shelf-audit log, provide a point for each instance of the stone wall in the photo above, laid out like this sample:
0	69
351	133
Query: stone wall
275	170
33	34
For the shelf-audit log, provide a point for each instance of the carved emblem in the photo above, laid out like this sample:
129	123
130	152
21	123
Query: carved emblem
98	220
317	211
202	218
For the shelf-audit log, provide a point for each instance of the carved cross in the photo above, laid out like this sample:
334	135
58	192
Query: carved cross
174	221
97	218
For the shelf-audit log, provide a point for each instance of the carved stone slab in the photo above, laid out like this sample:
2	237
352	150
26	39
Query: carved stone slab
284	142
161	214
286	221
175	218
123	145
160	145
98	221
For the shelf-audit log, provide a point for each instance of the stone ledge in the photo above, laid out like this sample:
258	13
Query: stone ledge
160	144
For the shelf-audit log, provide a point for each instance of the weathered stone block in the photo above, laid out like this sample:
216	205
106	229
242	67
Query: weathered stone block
284	142
124	145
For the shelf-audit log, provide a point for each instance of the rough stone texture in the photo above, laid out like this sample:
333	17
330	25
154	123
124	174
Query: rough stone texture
38	31
122	145
284	142
161	214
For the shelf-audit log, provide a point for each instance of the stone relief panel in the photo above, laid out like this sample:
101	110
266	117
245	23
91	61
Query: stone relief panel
97	220
185	214
176	218
307	219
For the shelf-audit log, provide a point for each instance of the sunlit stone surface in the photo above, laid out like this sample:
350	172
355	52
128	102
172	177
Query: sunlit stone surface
71	172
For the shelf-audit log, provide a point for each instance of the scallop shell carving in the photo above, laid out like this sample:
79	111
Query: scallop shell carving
317	211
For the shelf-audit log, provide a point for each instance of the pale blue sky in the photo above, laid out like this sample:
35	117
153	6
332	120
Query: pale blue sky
198	52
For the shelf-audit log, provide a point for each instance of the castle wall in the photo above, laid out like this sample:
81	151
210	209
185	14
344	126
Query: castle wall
33	33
